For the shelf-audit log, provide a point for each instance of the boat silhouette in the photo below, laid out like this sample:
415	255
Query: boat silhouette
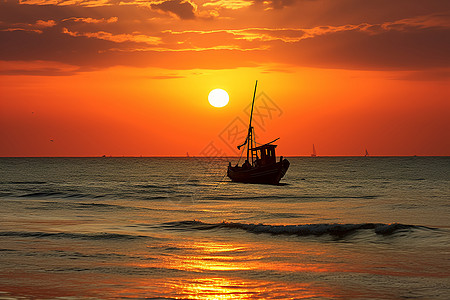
314	154
261	165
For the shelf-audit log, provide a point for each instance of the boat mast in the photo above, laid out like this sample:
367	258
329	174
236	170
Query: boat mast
250	131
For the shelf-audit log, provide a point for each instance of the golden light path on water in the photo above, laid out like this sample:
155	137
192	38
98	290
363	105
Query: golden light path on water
204	260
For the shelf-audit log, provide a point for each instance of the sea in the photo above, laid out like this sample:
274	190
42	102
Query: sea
178	228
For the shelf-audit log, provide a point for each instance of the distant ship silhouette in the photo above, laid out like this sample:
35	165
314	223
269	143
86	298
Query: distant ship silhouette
314	154
261	165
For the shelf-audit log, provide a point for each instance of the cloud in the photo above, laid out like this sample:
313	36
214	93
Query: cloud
37	72
437	74
228	4
43	24
22	29
37	68
411	43
117	38
32	27
92	20
53	45
295	35
122	32
432	21
184	9
165	77
273	4
250	34
393	49
277	70
86	3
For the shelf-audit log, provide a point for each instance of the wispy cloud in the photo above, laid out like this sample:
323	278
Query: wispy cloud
92	20
165	77
273	4
292	35
117	38
37	68
32	27
228	4
86	3
439	20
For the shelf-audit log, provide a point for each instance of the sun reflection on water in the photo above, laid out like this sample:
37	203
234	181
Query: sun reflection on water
216	288
212	256
220	271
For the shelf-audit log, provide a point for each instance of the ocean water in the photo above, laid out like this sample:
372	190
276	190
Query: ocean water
177	228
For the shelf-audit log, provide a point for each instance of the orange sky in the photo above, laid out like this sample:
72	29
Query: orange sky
94	77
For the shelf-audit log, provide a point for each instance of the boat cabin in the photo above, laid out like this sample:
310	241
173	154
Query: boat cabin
265	155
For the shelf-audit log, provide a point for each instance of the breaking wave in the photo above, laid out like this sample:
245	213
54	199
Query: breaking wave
300	230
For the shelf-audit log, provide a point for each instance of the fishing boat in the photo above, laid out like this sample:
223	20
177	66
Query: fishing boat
261	165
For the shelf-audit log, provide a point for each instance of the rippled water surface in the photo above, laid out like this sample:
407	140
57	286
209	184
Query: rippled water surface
177	228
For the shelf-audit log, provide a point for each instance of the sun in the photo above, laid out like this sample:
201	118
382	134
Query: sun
218	98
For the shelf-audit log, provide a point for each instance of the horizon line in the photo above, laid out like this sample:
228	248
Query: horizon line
215	157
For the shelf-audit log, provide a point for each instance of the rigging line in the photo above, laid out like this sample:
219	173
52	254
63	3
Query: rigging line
223	177
242	152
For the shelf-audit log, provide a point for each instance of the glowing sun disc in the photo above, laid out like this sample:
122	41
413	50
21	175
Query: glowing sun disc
218	98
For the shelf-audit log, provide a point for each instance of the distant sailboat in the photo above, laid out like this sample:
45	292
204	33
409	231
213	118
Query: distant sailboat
314	154
366	154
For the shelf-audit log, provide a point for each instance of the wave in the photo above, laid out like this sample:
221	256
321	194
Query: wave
73	194
83	236
41	194
57	194
23	182
283	197
300	230
56	205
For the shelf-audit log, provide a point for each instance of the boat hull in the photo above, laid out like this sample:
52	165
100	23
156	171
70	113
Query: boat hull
269	174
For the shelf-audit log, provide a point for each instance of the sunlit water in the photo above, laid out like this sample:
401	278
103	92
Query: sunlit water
344	228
